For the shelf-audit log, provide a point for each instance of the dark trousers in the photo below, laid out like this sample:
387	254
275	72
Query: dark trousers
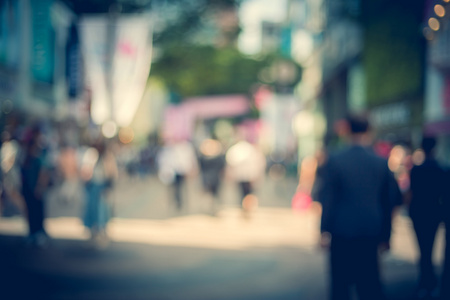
177	185
445	280
425	229
354	262
246	189
35	215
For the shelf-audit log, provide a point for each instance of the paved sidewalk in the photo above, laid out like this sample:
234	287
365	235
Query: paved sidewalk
157	252
272	255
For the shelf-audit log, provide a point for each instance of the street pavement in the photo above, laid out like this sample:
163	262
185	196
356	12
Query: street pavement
157	252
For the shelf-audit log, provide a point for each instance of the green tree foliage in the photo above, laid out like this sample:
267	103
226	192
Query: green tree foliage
393	49
192	70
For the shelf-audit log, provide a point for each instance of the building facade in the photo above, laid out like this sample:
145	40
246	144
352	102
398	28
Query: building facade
35	60
437	86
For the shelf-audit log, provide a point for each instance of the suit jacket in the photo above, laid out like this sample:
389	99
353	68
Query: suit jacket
358	193
428	187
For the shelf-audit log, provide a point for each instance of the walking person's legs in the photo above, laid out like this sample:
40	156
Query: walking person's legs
177	185
445	279
367	275
340	270
425	233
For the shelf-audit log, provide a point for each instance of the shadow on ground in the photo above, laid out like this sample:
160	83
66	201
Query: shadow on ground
70	269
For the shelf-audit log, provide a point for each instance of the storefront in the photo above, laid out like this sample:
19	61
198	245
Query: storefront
437	86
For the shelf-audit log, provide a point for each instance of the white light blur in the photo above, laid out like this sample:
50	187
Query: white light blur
109	129
252	12
303	123
117	84
239	153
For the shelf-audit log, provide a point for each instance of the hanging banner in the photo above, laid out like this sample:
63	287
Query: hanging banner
43	37
117	54
93	37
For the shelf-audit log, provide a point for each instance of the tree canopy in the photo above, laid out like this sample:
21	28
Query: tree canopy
393	50
191	70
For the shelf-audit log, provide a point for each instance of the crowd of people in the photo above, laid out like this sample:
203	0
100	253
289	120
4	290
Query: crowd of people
361	192
37	159
243	162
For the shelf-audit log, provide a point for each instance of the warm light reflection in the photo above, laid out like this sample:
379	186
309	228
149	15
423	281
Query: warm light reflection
308	169
210	147
267	227
250	202
418	157
434	24
396	158
439	10
126	135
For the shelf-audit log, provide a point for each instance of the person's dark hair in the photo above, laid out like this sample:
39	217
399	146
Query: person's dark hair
358	123
428	144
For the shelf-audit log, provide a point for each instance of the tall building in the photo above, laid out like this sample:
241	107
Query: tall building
343	78
36	60
372	61
307	18
437	85
393	61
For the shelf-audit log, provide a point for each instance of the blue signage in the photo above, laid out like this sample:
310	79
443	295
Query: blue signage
43	41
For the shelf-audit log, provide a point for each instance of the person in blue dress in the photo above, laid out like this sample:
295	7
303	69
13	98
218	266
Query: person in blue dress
98	171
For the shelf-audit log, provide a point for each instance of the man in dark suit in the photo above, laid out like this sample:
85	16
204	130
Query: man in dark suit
358	193
428	184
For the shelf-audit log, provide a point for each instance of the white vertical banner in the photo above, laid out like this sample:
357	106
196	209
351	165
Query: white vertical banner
132	62
117	55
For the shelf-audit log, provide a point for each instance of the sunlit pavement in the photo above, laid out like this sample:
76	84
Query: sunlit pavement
270	254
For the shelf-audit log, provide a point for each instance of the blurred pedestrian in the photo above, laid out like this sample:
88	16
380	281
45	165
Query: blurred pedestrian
99	172
358	193
35	182
67	164
177	160
425	209
11	201
212	164
445	278
246	165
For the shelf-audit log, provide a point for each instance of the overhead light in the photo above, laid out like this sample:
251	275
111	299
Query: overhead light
439	10
434	24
